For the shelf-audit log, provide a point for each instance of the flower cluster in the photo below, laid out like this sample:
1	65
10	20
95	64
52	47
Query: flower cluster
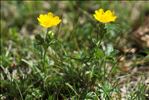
49	20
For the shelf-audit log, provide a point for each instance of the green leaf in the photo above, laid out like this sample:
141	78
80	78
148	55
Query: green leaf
98	53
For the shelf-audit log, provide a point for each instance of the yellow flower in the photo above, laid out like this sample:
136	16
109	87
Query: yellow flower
48	20
104	17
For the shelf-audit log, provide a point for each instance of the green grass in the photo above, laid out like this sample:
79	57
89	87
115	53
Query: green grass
78	65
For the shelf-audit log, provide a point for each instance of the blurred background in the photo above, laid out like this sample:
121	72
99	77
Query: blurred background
21	16
129	35
19	20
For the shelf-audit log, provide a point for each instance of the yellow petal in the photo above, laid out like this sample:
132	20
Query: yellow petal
48	20
104	17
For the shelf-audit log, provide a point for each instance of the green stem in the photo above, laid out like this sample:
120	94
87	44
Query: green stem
44	52
102	38
44	58
102	32
19	90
